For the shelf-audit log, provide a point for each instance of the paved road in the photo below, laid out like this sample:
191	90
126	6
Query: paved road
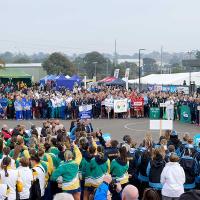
137	128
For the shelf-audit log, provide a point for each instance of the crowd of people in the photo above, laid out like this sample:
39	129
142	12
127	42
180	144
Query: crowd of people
79	163
24	103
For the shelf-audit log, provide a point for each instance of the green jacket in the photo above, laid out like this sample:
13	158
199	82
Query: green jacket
119	170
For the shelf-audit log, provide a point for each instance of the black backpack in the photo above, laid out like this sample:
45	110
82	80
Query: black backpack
35	191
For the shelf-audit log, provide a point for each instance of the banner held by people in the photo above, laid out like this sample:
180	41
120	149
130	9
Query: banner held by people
120	105
85	112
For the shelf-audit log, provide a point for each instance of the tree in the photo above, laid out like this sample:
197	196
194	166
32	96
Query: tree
93	59
198	54
24	59
57	63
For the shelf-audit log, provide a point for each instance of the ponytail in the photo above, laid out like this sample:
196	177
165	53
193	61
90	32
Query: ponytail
4	165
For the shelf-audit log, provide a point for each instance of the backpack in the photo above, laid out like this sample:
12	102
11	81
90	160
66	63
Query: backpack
35	191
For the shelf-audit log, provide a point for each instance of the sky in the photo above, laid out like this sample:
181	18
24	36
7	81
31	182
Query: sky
81	26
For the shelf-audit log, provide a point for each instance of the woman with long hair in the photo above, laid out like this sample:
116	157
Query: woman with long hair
119	170
11	178
155	167
99	166
85	171
67	173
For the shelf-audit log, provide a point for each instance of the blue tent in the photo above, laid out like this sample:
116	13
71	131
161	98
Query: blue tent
61	81
44	80
51	77
75	79
48	78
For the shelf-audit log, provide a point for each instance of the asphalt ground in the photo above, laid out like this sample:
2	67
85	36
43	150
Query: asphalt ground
137	128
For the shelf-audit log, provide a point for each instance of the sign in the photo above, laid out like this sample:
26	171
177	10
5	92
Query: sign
183	89
185	114
120	106
116	73
154	113
127	73
85	112
162	105
196	139
137	103
161	124
108	102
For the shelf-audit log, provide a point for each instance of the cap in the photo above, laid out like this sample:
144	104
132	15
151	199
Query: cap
174	133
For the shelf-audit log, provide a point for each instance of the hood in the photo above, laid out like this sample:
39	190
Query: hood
99	160
174	140
158	162
88	157
121	162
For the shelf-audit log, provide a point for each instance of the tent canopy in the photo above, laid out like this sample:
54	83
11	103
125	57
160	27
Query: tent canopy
13	73
169	79
118	82
107	79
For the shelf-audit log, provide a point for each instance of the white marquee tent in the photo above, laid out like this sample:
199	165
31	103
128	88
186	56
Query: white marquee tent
168	79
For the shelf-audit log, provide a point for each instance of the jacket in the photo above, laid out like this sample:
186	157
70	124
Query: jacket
101	192
154	170
69	171
190	168
172	178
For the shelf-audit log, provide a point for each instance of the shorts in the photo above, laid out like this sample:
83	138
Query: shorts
90	189
73	191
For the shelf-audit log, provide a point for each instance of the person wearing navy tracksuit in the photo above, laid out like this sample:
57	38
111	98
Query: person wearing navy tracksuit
190	167
154	170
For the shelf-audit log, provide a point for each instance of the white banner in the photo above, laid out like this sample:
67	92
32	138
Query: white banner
161	124
120	106
127	73
183	89
108	102
116	73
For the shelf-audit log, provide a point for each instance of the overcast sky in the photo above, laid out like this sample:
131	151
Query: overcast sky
77	26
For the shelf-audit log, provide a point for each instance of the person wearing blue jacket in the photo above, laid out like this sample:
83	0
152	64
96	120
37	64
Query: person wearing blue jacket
28	106
102	192
23	103
18	108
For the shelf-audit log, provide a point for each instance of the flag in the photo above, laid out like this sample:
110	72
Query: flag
185	114
154	113
116	73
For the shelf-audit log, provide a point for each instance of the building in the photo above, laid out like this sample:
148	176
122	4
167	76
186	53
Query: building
34	69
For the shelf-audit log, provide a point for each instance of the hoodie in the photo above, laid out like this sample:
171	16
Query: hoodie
172	178
154	170
98	168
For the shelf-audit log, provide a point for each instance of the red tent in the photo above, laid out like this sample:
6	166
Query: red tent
107	79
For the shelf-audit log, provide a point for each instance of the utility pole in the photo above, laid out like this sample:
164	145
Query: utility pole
140	70
107	68
161	59
115	63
